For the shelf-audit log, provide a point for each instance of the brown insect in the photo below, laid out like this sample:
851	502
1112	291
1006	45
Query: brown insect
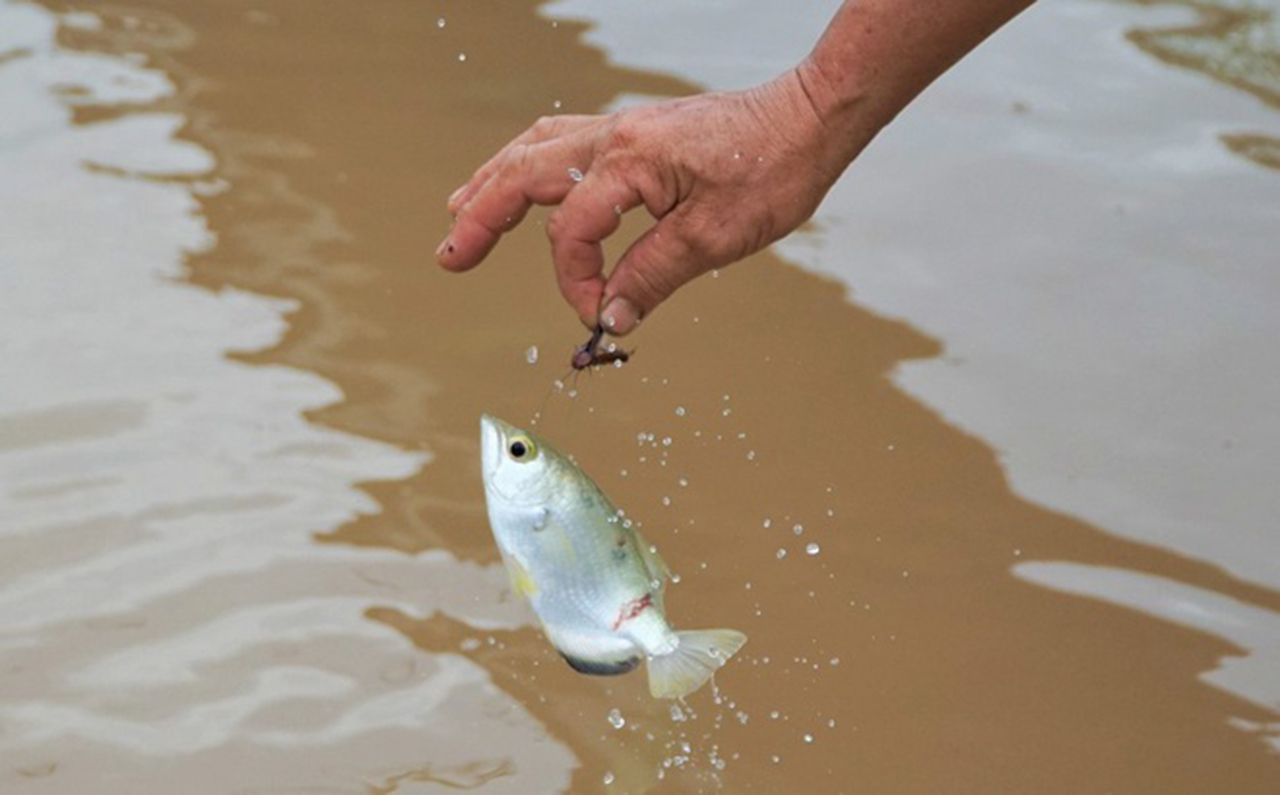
588	354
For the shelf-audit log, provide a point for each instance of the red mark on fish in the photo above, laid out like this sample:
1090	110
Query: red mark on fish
632	609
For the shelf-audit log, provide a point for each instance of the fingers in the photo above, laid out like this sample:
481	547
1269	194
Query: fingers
653	268
590	213
545	129
538	173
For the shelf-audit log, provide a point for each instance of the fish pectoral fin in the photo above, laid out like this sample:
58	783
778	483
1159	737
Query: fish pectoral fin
521	581
698	656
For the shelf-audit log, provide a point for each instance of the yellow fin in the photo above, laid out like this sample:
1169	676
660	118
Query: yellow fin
521	581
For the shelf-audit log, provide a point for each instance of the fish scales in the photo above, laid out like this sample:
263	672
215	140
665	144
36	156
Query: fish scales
595	584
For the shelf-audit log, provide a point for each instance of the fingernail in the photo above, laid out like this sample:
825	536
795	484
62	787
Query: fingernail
620	316
444	246
453	197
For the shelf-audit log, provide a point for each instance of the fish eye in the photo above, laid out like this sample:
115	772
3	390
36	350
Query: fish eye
522	449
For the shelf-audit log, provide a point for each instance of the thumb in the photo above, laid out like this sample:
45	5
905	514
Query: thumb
655	266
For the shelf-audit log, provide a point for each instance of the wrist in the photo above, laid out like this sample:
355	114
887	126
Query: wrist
843	115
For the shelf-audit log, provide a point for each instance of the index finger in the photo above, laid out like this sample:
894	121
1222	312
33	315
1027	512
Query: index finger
544	129
529	174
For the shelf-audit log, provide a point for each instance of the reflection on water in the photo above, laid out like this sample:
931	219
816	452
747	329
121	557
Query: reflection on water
242	539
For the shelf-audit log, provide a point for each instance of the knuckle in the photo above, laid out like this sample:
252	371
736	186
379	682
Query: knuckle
653	283
515	159
558	226
623	135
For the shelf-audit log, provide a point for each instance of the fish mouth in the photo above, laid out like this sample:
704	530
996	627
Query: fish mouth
490	445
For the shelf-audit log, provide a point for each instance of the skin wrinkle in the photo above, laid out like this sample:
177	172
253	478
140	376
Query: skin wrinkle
797	133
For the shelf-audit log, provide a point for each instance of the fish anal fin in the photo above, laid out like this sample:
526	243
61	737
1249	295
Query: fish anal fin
699	654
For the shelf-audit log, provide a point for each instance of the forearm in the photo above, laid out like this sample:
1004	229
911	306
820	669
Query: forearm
876	56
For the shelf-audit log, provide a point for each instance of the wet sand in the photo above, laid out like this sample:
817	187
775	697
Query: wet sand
904	656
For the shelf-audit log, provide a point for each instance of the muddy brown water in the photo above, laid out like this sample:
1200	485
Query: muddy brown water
902	657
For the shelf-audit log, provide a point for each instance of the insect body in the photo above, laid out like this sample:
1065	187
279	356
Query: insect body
588	354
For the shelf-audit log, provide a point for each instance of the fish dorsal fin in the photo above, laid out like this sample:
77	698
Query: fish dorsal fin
521	581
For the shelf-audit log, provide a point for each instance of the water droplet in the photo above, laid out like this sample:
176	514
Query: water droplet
462	56
666	441
608	778
813	548
776	759
677	714
808	738
835	660
556	104
684	482
782	553
666	502
797	529
679	411
726	412
440	22
751	455
768	523
576	175
715	273
831	724
615	718
531	355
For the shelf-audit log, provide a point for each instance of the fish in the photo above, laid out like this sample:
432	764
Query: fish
595	584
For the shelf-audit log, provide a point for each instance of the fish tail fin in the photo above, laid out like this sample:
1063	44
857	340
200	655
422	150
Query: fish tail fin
688	666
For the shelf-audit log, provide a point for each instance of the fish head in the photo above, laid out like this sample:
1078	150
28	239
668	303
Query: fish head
519	468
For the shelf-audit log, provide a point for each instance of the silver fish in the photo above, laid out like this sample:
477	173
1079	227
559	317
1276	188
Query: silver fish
596	585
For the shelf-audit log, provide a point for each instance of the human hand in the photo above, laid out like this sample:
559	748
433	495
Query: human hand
723	175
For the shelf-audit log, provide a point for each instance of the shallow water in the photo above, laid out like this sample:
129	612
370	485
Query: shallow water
241	528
